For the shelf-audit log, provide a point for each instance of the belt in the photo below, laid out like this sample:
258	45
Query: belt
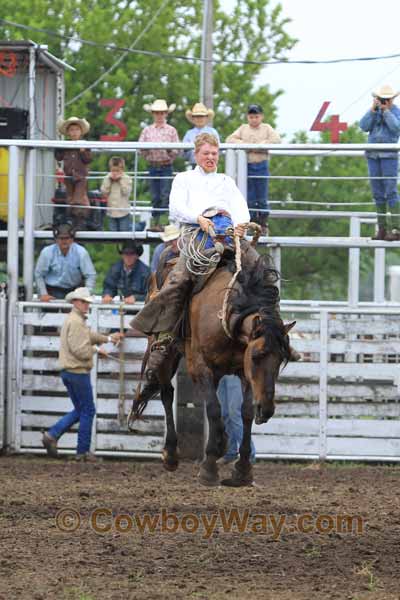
164	163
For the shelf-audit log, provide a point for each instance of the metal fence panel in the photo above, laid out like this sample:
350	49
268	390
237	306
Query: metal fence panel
42	397
3	337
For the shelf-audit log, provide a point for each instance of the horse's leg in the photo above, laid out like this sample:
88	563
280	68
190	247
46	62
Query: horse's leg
242	473
169	454
216	442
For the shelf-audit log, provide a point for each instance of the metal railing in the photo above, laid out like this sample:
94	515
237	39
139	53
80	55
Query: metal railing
235	165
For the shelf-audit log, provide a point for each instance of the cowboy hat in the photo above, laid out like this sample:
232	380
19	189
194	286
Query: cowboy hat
385	91
171	232
199	110
81	293
64	230
159	106
62	125
130	247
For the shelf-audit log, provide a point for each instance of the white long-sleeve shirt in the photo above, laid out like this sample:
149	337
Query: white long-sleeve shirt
194	191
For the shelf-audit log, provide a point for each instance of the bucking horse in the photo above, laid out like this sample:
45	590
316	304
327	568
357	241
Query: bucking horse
233	327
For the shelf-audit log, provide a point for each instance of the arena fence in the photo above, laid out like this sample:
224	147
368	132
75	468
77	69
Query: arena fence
340	402
3	337
39	397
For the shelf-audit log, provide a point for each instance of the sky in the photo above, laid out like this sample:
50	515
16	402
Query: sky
328	29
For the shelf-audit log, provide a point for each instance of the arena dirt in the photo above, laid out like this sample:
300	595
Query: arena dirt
193	552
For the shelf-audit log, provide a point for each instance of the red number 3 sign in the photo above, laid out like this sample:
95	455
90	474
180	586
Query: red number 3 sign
115	106
334	125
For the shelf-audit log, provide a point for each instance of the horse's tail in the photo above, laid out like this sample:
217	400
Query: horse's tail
139	404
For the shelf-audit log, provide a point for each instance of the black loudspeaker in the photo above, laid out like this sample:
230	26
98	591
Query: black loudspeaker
13	124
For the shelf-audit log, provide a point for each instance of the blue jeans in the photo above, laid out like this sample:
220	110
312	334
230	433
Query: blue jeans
81	394
120	223
384	190
160	187
257	190
230	397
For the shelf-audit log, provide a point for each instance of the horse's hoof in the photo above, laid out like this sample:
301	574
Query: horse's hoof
236	482
171	466
170	462
208	478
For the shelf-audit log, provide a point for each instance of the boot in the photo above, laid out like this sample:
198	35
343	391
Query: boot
393	236
158	354
50	444
380	234
294	355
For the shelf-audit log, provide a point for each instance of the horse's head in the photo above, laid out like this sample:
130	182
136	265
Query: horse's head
267	348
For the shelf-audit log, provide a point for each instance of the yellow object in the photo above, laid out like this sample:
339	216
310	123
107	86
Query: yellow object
4	187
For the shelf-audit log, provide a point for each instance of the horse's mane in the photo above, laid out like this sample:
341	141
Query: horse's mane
257	292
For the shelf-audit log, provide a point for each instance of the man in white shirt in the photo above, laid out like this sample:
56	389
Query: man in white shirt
192	193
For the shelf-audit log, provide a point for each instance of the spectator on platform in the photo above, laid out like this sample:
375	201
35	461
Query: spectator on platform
63	266
200	116
256	132
382	122
77	347
128	277
230	397
76	162
117	187
170	238
160	160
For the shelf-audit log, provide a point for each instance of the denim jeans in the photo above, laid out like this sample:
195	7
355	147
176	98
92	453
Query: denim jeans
81	395
160	187
384	190
257	190
231	398
120	223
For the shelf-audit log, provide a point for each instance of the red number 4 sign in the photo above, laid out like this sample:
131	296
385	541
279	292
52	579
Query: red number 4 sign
334	125
115	106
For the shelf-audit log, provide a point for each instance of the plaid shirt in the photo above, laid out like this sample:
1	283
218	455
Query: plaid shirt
165	133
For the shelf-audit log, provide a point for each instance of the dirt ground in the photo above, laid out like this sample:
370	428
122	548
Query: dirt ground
64	534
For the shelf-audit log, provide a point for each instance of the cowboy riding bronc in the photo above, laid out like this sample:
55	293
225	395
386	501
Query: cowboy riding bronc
196	197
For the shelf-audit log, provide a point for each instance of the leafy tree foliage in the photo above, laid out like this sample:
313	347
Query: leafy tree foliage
254	31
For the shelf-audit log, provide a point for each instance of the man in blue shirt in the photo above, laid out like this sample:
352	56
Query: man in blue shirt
63	266
382	122
128	277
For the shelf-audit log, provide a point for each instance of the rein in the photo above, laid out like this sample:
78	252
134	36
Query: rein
223	313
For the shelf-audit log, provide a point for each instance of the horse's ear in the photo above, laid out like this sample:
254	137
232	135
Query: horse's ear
288	326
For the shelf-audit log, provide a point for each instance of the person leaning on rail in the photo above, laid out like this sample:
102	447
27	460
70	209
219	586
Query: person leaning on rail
127	277
160	160
63	266
382	122
77	347
76	169
256	132
193	192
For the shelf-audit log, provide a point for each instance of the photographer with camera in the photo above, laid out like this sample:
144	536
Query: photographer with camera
382	122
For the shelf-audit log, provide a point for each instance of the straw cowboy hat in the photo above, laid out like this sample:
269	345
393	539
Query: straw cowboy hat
199	110
62	125
159	106
385	91
171	232
81	293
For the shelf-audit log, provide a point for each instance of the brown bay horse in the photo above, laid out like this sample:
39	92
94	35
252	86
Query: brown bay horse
258	346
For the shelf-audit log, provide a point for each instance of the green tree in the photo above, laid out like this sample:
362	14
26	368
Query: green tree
255	31
319	273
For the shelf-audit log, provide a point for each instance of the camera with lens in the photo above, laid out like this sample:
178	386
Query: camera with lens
383	100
